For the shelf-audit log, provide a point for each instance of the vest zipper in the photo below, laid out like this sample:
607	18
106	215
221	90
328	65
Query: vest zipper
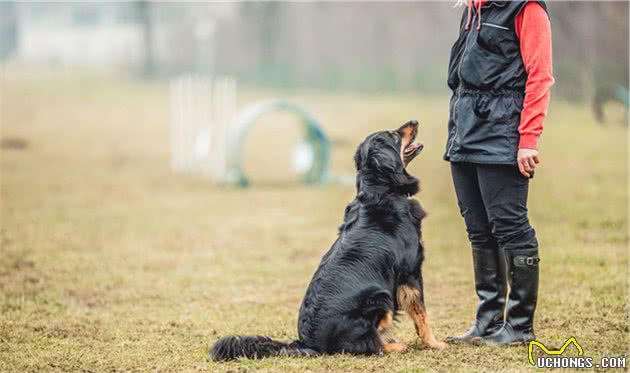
459	75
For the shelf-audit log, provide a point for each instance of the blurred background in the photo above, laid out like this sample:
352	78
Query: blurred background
400	46
128	131
211	54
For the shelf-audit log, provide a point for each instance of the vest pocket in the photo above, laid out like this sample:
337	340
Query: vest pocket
495	39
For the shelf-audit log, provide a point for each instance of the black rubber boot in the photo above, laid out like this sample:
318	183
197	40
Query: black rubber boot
491	287
519	319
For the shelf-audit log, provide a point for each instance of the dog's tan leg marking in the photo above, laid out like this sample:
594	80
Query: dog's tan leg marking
384	329
394	347
409	301
386	322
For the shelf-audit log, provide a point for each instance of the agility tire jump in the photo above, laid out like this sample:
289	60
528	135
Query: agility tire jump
315	142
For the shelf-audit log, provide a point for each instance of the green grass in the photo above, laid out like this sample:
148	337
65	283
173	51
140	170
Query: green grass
109	262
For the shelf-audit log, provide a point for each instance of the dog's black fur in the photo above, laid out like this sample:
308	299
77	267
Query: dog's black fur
378	251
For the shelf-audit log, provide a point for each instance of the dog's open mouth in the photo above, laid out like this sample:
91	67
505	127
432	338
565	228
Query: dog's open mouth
408	149
411	151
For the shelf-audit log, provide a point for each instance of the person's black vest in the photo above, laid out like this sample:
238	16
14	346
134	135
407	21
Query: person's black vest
487	77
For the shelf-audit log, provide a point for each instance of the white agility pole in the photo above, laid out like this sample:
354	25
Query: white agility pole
200	121
224	109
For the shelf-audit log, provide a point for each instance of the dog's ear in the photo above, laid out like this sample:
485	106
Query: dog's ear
390	165
379	158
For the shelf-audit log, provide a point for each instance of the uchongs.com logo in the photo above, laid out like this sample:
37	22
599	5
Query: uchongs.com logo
549	358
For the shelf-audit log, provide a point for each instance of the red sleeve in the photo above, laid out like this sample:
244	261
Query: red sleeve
534	32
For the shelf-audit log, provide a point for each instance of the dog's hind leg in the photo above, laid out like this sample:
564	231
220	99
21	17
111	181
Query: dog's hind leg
386	323
366	332
411	301
394	347
389	344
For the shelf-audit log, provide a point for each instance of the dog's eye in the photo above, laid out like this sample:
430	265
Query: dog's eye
395	135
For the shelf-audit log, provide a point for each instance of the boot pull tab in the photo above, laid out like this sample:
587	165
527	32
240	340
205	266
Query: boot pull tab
523	261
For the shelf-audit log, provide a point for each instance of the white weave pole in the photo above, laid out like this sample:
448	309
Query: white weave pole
200	121
178	118
202	130
224	109
190	124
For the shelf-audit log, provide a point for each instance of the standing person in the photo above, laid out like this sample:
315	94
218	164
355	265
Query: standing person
500	74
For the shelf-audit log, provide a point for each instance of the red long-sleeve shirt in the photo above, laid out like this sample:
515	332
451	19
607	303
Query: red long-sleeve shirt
534	32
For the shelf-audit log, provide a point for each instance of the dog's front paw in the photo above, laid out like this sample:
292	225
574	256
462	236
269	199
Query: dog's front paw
394	347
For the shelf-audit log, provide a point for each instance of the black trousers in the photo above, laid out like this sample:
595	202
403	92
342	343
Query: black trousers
493	201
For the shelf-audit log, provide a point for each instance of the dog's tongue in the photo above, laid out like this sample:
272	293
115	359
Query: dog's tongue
412	147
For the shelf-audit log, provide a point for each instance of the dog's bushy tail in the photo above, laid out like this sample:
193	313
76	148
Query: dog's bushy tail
256	347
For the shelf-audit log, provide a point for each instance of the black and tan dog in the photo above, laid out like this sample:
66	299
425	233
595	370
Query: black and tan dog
372	271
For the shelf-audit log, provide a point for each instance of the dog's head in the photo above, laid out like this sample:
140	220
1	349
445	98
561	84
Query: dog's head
382	158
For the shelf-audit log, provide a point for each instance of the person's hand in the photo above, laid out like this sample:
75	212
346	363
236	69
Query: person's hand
527	160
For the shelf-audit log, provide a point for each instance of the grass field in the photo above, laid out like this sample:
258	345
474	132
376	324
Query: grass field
109	262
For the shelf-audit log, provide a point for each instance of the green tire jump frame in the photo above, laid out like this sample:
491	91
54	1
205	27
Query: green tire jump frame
314	137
